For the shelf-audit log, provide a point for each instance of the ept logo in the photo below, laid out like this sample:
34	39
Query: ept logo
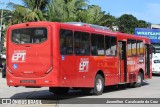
19	56
84	65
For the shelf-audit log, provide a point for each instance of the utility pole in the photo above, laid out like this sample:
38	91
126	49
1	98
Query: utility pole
1	31
1	24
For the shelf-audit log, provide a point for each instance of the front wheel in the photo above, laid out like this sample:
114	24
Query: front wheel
98	85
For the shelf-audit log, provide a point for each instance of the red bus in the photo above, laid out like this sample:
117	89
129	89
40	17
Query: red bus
63	56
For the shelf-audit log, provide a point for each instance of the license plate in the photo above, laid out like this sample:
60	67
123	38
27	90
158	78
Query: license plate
28	81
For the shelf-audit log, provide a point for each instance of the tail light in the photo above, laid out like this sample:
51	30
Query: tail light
49	70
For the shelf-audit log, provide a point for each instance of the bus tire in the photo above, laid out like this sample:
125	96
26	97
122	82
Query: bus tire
139	80
59	91
98	85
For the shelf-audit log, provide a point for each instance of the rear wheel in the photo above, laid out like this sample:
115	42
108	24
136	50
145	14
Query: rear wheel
139	80
98	85
59	90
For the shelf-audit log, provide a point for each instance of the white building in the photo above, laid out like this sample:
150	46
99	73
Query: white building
155	26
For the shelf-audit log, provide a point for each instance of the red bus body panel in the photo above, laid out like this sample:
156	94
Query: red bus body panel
45	66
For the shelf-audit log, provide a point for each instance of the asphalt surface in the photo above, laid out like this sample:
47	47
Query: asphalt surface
150	89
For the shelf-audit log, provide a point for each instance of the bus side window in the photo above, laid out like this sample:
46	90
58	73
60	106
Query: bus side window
141	48
129	49
66	42
111	45
134	50
132	47
94	47
81	43
97	43
107	43
138	47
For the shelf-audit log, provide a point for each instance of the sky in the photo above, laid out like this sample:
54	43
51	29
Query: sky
148	10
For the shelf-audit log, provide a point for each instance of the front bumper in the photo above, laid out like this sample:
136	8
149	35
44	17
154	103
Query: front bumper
156	72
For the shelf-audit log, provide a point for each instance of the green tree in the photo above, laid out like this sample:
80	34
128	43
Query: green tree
75	11
109	20
6	17
142	24
93	14
31	10
127	23
64	10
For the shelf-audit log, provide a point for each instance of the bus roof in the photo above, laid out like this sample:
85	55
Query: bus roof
101	31
84	27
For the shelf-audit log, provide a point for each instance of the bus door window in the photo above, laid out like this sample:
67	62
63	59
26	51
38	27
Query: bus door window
122	61
120	51
147	57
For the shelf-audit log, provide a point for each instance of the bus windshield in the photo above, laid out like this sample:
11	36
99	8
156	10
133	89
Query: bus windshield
29	35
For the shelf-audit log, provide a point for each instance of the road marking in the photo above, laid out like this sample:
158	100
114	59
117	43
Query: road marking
1	90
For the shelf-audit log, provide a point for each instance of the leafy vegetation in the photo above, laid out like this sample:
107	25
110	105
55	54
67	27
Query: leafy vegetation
127	23
69	11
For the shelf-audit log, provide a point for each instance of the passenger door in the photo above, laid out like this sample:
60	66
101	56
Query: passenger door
147	59
122	61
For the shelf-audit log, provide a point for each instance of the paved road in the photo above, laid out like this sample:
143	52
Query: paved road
150	89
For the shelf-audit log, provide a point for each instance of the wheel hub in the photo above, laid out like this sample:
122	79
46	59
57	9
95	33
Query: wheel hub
99	85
